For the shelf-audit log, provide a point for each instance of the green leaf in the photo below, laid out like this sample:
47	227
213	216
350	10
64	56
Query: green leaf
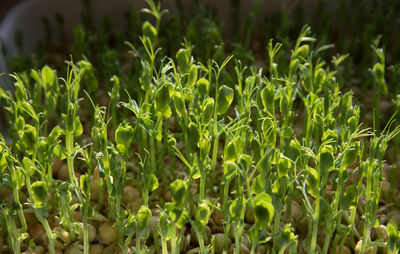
183	58
143	217
235	209
283	167
324	210
230	152
302	51
48	76
30	110
178	191
312	181
39	194
183	219
245	161
263	210
193	132
60	152
269	131
284	104
192	78
179	103
150	31
268	99
203	87
29	166
350	155
393	236
78	129
203	213
319	77
326	161
29	138
224	99
54	134
124	136
294	64
153	185
275	186
350	197
20	124
208	110
257	185
85	185
162	98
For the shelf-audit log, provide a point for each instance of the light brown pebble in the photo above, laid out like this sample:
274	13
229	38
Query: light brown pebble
368	250
130	194
218	217
220	242
243	249
36	231
108	234
96	248
344	250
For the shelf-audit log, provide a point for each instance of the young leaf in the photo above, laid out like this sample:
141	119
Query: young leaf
302	51
207	110
203	86
143	217
224	99
183	58
162	98
124	136
178	191
47	76
283	167
179	103
326	160
350	155
267	99
150	31
194	134
39	192
393	240
29	138
203	213
263	210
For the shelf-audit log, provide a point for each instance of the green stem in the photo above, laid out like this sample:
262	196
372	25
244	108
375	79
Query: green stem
338	197
85	231
164	246
101	194
127	242
315	225
277	226
226	211
255	242
202	186
49	233
201	242
174	249
138	250
16	197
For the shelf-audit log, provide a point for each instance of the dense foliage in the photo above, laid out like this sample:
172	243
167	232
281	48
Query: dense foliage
147	144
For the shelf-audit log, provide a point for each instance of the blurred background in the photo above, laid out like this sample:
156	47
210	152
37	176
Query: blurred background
5	6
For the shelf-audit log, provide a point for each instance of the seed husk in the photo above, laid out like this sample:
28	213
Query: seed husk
108	234
220	242
368	250
96	248
36	231
130	194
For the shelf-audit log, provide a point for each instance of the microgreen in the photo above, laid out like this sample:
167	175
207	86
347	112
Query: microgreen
198	145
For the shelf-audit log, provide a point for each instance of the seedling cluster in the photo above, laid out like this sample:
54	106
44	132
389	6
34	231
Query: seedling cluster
139	144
